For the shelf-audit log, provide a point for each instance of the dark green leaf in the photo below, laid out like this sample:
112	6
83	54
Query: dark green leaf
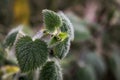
51	71
31	54
52	20
10	39
62	49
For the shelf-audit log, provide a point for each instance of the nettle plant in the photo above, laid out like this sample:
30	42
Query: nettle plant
46	49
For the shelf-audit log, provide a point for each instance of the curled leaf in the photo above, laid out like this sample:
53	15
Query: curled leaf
67	26
62	49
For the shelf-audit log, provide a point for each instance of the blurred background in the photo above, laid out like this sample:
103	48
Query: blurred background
95	51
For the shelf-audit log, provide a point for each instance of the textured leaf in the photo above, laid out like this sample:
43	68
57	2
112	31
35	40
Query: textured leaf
62	49
51	19
67	26
51	71
31	54
10	39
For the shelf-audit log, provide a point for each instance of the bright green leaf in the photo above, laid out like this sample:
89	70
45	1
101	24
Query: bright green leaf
11	37
52	20
57	39
63	36
31	54
51	71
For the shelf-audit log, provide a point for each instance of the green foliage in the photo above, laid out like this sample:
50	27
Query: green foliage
51	71
85	73
67	26
10	39
52	20
34	52
62	49
31	54
100	35
15	34
62	36
97	62
58	38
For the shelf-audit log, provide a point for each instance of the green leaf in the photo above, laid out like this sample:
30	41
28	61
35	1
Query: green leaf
12	36
31	54
62	49
52	20
10	39
67	26
63	36
51	71
57	39
85	73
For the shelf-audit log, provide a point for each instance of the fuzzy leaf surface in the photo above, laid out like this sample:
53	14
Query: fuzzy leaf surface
62	49
51	71
67	26
31	54
51	19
